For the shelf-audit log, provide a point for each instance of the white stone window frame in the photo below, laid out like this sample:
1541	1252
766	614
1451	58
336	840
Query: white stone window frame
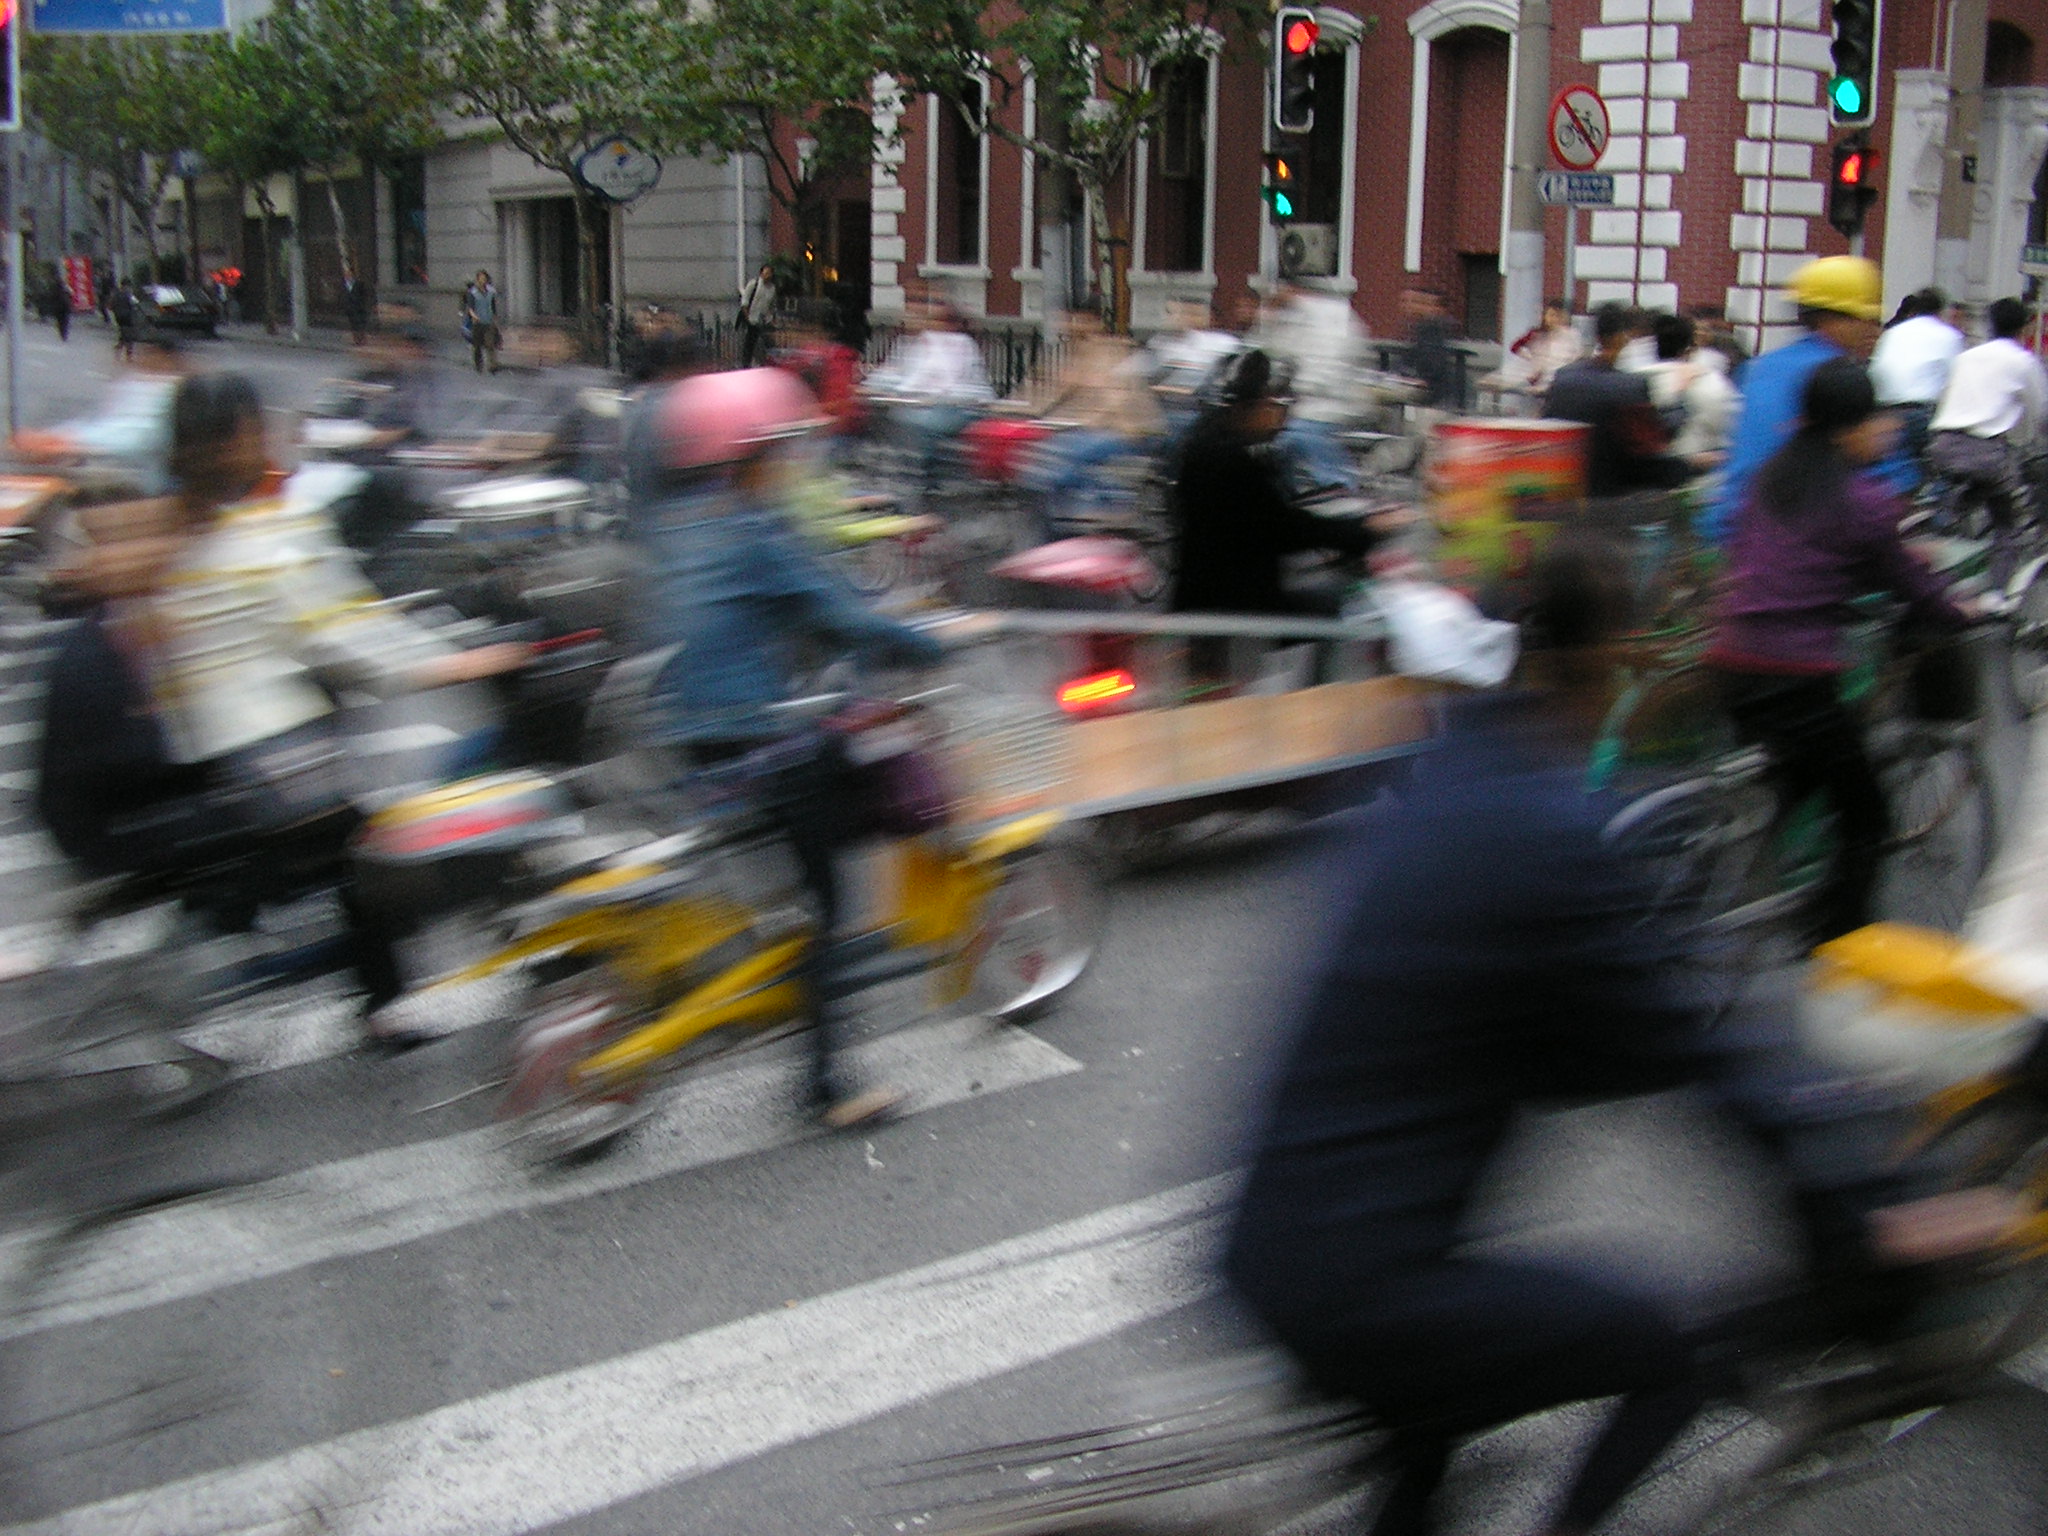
1210	43
1433	21
1027	187
932	267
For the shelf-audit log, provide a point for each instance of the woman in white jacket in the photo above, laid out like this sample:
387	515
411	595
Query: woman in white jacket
232	608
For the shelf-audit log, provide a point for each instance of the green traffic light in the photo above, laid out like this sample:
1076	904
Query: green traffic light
1282	204
1847	96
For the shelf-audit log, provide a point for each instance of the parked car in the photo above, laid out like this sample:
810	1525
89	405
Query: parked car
169	308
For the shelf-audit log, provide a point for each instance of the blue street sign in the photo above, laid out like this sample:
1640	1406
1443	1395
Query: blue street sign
1583	189
130	16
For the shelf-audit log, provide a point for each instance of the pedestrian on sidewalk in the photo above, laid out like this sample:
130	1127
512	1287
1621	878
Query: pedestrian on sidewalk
757	310
126	308
355	304
480	320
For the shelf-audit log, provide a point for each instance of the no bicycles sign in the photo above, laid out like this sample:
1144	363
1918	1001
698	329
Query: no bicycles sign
1578	128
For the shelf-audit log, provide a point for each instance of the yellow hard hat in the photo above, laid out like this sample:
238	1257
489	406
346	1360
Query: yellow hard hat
1847	285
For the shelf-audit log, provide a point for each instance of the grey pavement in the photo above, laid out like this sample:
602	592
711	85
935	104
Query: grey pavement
367	1312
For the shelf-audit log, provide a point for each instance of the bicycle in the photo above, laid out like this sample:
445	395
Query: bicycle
1735	868
1240	1445
649	958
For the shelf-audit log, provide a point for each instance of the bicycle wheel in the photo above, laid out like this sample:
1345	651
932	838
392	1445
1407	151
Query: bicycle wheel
1941	815
2000	1309
1039	931
556	1114
1699	843
2026	641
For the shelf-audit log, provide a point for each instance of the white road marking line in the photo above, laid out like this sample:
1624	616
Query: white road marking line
19	782
400	738
403	1194
22	731
26	656
567	1445
21	851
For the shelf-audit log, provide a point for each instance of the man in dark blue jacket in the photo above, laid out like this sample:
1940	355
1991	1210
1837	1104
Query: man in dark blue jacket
1493	954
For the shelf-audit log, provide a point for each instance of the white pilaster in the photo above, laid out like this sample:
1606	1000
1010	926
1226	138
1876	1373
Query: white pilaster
2014	136
1912	193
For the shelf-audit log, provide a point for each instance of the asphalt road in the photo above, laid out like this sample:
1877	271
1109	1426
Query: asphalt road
369	1314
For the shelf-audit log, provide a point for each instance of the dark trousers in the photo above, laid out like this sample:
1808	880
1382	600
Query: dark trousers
1988	464
808	799
753	342
1816	746
245	870
1448	1349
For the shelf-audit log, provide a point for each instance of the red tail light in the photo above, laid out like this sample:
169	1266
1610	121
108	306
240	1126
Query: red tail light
445	831
1097	689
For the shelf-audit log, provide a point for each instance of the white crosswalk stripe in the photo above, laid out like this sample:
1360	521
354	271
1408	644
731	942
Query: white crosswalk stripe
23	851
569	1444
21	733
402	1194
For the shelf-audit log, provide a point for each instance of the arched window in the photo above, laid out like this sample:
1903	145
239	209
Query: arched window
2008	55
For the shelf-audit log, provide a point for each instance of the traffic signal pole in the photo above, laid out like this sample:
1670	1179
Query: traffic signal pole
1968	22
17	252
1521	295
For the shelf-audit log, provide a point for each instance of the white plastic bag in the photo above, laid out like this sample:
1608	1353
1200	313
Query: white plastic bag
1438	634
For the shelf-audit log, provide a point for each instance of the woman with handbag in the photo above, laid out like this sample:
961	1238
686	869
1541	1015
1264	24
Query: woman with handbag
226	610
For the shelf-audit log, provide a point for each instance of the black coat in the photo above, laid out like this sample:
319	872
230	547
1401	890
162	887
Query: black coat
1630	444
1489	951
107	788
1237	524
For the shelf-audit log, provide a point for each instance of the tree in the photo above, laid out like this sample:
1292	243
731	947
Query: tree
556	77
760	65
1096	66
120	107
362	85
252	126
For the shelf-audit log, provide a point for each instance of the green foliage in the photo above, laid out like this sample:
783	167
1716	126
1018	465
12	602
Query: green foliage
555	76
118	106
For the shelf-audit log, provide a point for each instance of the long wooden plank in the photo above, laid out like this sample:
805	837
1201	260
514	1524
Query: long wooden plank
1160	755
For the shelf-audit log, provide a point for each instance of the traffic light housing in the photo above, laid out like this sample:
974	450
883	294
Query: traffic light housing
1283	188
1852	88
1295	33
1852	185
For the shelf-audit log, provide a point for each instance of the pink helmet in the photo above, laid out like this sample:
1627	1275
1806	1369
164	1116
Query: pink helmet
722	418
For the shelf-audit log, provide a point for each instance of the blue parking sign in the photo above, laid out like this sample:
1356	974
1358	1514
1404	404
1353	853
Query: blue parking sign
129	16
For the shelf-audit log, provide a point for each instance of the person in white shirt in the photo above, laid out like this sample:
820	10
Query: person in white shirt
1996	401
1689	386
1184	357
1911	364
1534	359
936	374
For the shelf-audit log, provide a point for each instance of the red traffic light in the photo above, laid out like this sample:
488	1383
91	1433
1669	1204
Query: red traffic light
1300	36
1850	172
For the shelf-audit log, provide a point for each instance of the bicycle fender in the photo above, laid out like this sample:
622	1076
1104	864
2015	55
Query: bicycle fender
1012	837
583	930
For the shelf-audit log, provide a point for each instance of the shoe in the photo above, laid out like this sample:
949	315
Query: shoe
875	1106
391	1029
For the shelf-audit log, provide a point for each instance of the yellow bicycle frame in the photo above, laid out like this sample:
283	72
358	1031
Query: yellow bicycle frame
940	900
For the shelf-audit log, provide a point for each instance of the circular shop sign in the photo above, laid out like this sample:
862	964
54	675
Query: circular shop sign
1578	127
618	169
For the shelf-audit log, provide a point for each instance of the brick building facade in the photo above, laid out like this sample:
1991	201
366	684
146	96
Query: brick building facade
1719	152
